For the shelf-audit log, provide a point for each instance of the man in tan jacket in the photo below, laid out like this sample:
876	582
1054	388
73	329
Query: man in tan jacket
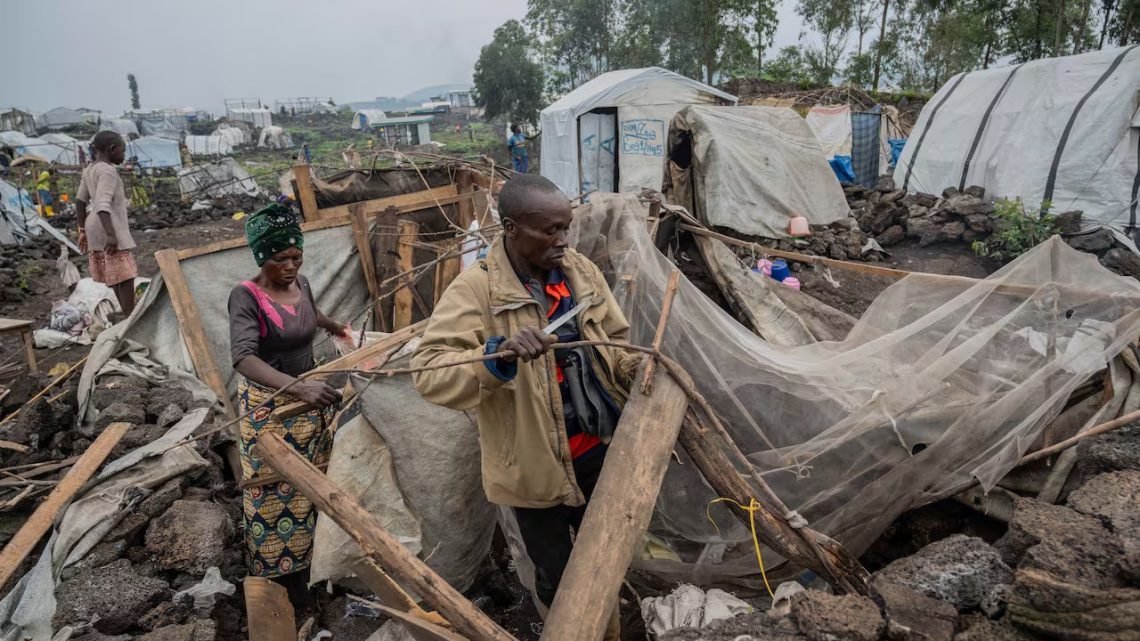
545	415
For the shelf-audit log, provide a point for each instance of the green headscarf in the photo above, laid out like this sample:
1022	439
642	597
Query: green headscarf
271	229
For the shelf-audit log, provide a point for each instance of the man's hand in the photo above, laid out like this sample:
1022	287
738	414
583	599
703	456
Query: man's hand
528	344
316	393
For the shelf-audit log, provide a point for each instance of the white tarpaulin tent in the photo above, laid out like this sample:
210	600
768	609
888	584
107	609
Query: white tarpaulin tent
750	169
235	135
628	113
209	145
59	148
64	116
368	118
122	126
1062	129
153	151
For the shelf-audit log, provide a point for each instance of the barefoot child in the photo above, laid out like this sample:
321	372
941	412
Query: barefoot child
105	234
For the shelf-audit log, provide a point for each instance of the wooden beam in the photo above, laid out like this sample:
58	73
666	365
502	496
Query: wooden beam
361	232
406	202
421	629
190	325
41	520
619	511
376	543
268	610
402	314
302	173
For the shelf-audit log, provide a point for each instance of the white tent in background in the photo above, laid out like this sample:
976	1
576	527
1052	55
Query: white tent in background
153	151
234	135
750	169
1064	130
63	116
59	148
122	126
366	119
209	146
609	134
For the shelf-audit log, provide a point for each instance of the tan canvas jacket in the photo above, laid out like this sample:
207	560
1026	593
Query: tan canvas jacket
525	454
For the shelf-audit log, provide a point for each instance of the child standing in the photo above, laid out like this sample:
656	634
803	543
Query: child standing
106	235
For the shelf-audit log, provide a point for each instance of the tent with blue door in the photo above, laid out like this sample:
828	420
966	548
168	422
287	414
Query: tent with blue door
609	134
1066	130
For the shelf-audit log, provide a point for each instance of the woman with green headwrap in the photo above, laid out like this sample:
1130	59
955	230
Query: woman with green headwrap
273	321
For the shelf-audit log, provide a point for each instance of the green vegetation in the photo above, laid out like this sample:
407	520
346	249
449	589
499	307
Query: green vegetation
508	84
476	139
1016	230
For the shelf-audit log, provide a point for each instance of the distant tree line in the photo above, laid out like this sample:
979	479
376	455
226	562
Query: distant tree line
912	45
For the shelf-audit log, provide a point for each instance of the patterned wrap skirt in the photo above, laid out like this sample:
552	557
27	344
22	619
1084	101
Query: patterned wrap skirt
277	519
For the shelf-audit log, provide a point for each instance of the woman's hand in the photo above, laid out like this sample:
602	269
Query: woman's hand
82	241
316	393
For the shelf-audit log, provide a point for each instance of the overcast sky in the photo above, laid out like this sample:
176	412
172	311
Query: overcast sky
78	53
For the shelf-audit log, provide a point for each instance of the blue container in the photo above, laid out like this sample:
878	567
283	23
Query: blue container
780	269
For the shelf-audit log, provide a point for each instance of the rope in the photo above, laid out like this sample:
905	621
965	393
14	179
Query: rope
751	508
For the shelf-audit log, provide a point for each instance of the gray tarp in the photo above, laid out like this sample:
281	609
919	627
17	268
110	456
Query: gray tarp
750	169
225	177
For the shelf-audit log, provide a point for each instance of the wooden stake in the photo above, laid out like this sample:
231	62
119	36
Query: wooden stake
270	615
363	238
375	542
41	520
190	325
304	177
666	308
619	512
402	314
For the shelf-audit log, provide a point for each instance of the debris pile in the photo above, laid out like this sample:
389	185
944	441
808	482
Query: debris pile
30	269
891	215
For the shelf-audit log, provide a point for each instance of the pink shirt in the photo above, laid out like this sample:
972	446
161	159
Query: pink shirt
102	189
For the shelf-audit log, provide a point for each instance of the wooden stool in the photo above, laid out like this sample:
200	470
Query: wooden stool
10	326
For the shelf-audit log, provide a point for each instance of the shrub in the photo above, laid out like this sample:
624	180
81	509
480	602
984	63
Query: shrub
1016	230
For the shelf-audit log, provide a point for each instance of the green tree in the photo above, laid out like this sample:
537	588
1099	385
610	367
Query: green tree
764	23
575	38
1043	28
507	81
134	87
1122	21
832	20
788	66
860	69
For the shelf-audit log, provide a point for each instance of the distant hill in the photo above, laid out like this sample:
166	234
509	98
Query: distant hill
425	94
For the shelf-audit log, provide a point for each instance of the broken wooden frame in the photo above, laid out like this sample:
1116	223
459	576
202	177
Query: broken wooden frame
371	221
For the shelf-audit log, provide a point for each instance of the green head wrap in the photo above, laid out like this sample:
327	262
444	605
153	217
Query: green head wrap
271	229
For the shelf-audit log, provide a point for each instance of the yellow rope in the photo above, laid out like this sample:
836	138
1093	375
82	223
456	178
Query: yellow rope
751	508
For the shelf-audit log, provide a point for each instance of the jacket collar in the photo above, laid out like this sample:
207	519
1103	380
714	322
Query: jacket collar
508	292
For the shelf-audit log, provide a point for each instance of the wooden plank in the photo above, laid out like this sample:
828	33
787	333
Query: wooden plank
190	325
420	628
30	351
268	610
402	314
13	446
375	542
360	231
233	243
387	590
303	175
619	511
422	199
42	519
13	325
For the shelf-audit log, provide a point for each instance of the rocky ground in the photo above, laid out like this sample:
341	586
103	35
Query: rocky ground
1067	571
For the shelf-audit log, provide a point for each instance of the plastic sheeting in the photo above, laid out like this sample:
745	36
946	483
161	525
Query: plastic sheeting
832	128
751	169
1067	122
275	138
935	386
122	126
208	145
153	152
27	610
225	177
234	135
625	89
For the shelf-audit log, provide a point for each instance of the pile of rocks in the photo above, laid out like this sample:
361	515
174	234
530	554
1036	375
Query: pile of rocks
30	268
1068	571
169	570
891	215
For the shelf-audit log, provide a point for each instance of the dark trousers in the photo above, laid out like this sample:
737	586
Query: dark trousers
546	531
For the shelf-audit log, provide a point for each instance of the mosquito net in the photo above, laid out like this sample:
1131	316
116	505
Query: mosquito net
943	382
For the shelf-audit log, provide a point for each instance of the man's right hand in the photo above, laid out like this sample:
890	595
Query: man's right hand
528	344
316	393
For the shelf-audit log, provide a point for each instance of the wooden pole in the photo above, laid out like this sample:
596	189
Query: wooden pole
41	520
190	325
304	178
402	314
619	512
360	232
376	543
659	336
